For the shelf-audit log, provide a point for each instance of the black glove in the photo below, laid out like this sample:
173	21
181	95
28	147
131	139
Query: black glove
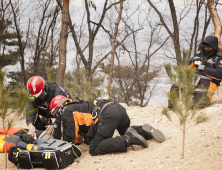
197	60
28	139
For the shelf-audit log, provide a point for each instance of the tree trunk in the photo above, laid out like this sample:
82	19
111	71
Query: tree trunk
175	34
113	49
216	21
206	24
52	53
176	39
217	26
62	45
183	147
2	111
5	132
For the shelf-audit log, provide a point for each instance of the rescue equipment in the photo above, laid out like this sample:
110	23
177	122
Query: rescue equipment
2	136
58	154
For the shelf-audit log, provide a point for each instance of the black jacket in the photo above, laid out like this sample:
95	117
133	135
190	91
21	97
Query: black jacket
43	105
77	118
212	62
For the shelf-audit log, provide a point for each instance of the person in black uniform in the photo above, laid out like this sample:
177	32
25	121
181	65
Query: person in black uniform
208	63
41	95
96	121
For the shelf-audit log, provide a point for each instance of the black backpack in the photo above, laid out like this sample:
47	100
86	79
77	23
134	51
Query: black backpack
58	154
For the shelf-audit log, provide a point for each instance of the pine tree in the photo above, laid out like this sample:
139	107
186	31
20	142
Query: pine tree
80	87
44	65
8	50
181	99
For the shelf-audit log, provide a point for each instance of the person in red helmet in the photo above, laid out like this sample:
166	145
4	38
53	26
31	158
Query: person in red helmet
42	93
95	121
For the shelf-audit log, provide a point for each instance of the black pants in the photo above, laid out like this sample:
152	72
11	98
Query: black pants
115	117
196	96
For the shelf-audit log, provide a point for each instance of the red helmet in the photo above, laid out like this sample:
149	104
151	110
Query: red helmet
57	102
36	85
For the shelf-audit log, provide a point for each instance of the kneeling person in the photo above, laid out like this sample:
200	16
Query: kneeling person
97	120
41	94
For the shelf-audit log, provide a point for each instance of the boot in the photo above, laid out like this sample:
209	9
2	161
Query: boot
156	134
133	138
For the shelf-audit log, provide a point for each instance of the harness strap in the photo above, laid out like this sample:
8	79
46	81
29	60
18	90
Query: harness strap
105	107
97	117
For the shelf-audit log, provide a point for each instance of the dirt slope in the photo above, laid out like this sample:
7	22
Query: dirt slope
203	145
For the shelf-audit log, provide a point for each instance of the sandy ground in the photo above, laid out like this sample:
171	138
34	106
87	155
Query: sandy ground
203	149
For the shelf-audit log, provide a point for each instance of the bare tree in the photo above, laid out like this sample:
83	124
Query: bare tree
206	24
217	26
200	23
33	37
194	35
54	47
22	44
47	22
181	32
132	72
63	42
216	21
173	34
113	49
93	29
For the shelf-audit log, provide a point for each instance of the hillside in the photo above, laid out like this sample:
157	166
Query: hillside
203	145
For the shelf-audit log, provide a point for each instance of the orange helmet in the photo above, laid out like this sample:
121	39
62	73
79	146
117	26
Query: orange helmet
36	85
57	102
